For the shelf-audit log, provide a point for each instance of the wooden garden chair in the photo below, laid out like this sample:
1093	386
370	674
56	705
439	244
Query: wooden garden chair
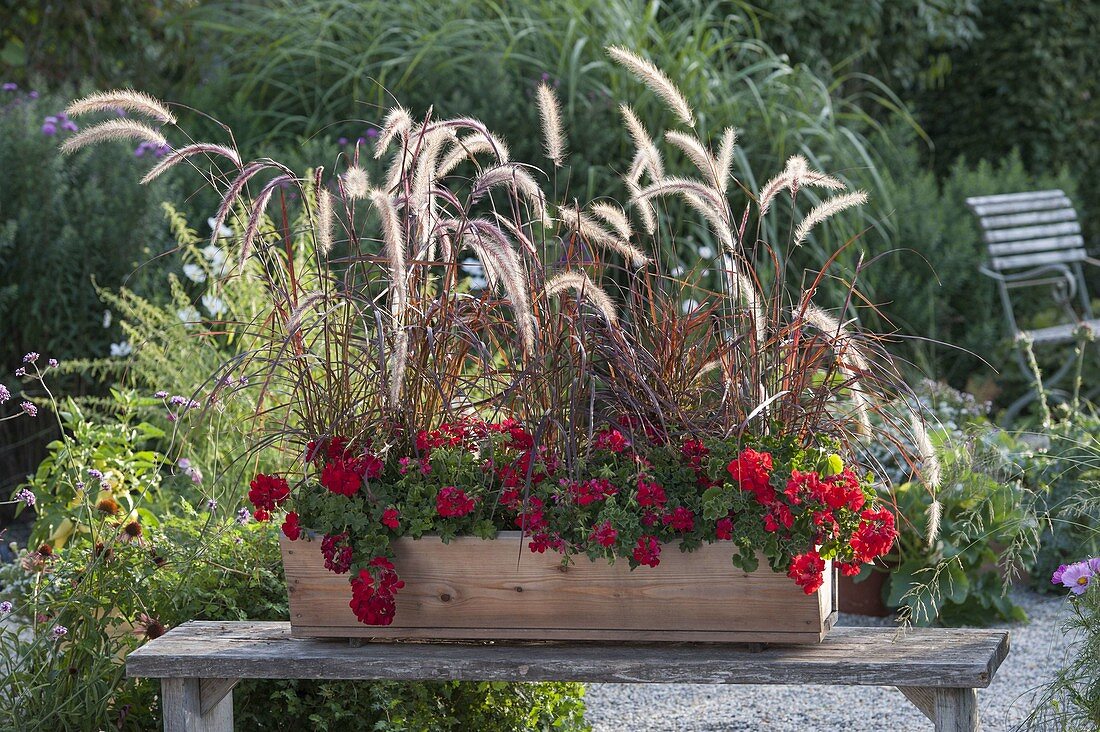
1034	240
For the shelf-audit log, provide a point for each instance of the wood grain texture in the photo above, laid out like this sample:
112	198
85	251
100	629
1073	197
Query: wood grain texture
181	704
931	657
478	589
956	710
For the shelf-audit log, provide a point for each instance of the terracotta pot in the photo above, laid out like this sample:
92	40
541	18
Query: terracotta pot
863	598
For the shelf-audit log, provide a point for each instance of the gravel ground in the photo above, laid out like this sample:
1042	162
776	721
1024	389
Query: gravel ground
1037	649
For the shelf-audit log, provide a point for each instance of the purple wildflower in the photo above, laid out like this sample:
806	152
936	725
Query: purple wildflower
105	484
342	141
1077	577
20	372
211	504
1056	578
33	94
69	126
161	395
372	132
184	463
49	129
59	631
193	404
1094	565
9	86
178	400
80	485
29	409
53	364
4	394
95	473
30	357
26	496
5	607
243	516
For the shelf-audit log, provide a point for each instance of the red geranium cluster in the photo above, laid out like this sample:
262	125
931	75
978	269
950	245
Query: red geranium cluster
372	598
266	493
584	493
647	551
452	502
337	553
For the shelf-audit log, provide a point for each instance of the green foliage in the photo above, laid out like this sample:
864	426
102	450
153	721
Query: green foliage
1033	71
127	42
949	316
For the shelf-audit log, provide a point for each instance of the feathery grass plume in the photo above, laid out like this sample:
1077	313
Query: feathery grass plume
703	198
931	474
324	221
614	217
503	266
846	352
356	183
585	288
824	210
393	242
231	195
796	173
115	129
517	177
257	214
177	156
646	209
725	157
697	154
587	227
935	514
294	322
553	137
656	80
397	123
475	143
649	157
128	99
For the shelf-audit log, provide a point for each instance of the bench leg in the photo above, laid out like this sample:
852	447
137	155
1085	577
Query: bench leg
182	705
951	710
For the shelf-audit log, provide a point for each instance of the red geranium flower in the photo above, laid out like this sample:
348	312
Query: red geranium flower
337	553
808	570
343	477
778	515
751	470
647	551
604	534
875	535
681	519
724	529
389	518
372	466
849	569
694	451
453	503
650	495
267	492
291	528
611	439
372	599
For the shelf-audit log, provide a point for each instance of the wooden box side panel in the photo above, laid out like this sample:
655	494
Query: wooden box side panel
473	588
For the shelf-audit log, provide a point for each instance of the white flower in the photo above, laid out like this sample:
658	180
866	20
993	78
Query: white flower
677	271
213	304
214	254
194	272
706	252
689	305
106	318
121	350
223	230
189	315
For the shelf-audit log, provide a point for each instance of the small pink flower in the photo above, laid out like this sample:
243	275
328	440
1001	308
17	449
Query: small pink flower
1077	577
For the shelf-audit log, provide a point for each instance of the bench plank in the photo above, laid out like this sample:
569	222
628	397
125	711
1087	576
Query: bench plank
941	658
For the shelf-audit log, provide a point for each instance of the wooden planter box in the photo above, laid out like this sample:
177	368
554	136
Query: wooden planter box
477	589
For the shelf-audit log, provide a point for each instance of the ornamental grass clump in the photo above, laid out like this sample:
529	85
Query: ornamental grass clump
573	390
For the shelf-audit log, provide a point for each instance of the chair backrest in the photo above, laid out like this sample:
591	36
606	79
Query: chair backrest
1029	229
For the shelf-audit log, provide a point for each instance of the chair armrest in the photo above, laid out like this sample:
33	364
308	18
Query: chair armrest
990	273
1092	261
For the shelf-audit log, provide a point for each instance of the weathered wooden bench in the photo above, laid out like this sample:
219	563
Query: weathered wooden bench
199	663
